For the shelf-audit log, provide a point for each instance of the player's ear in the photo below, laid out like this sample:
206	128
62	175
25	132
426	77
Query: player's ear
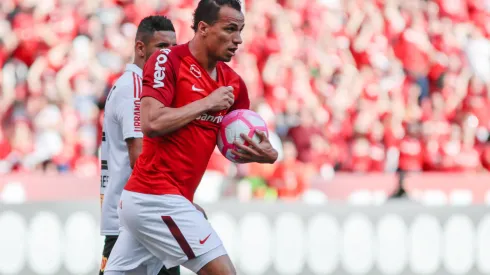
203	28
140	49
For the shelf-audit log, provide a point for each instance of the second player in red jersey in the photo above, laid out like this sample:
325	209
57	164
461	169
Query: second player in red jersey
175	162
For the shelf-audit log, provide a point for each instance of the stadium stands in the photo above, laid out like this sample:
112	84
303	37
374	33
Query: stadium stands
353	86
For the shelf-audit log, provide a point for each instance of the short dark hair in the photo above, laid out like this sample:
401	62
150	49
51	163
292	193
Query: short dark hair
151	24
208	10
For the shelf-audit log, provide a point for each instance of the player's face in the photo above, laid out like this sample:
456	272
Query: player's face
225	35
160	40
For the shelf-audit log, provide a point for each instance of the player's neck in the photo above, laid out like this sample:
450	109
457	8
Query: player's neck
139	62
202	57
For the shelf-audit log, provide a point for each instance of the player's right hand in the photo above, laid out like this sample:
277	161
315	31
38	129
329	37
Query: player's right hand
221	99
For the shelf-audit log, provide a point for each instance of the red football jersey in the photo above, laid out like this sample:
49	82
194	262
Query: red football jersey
175	163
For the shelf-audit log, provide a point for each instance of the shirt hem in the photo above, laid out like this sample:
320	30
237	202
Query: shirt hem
133	135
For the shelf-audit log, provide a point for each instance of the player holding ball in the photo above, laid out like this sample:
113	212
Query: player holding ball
187	90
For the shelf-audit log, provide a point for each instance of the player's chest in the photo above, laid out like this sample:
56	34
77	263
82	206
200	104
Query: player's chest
190	89
194	84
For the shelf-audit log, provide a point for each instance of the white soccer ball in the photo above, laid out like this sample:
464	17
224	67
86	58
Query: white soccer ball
236	123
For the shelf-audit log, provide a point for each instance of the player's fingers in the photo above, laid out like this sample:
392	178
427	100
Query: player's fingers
261	134
230	101
250	141
241	157
247	149
228	89
230	95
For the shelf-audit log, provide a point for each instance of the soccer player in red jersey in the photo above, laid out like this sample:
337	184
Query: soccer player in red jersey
187	90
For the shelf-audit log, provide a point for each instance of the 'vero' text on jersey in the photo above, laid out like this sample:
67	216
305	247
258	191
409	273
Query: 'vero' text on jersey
159	74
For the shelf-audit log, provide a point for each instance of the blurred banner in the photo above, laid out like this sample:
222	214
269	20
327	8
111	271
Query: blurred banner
373	188
269	238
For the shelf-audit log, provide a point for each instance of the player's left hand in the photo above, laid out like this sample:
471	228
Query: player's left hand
261	152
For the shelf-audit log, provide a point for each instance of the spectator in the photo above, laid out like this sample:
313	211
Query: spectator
411	150
360	86
289	178
478	53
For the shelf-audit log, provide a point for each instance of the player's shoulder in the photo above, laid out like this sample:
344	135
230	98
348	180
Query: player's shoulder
127	78
127	85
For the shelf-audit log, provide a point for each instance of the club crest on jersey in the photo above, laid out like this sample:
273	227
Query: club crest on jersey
195	71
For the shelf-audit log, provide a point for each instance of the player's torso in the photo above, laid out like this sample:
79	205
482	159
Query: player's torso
183	155
193	83
115	166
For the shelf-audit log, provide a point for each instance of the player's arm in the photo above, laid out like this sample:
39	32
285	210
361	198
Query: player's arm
135	146
158	120
128	116
159	87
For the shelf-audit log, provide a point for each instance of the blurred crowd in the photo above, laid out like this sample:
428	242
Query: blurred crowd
344	85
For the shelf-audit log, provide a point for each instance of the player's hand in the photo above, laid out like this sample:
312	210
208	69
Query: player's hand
221	99
261	152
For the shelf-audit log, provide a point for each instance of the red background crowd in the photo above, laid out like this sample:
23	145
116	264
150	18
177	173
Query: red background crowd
344	85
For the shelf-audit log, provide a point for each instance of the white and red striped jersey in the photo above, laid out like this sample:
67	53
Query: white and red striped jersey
121	122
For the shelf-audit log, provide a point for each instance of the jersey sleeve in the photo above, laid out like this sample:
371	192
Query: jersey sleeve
159	77
242	101
128	114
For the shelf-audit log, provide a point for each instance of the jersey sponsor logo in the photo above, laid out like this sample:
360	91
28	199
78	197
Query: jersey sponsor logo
137	115
195	89
205	239
210	118
159	73
195	71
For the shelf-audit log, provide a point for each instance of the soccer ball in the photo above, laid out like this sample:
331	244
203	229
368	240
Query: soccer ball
233	125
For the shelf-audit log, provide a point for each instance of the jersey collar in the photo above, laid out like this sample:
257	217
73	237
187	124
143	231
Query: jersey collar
135	69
